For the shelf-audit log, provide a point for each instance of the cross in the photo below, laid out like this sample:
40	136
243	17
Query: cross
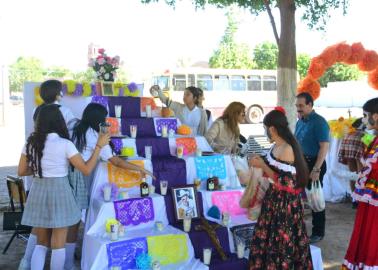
211	231
349	113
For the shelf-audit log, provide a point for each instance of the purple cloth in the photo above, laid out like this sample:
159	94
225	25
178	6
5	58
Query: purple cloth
123	253
145	126
130	106
232	263
100	100
169	122
160	146
134	211
172	169
117	143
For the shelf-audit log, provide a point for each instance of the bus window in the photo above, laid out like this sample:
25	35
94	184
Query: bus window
205	82
254	83
221	82
269	83
237	83
162	81
180	82
191	80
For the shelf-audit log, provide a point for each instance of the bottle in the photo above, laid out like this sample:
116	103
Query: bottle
144	188
210	184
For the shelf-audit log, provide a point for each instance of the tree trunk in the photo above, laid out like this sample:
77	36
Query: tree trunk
287	62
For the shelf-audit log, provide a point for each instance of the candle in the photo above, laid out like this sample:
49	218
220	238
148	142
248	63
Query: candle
180	151
148	151
163	187
114	232
133	131
225	218
187	223
148	111
107	193
240	249
206	256
164	131
118	110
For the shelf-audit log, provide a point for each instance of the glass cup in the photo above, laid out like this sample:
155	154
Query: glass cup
148	111
104	127
133	131
163	187
148	152
118	110
207	256
187	223
180	151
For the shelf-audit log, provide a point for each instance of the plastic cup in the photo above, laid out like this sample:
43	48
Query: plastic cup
163	187
207	256
133	131
107	193
118	110
104	127
187	223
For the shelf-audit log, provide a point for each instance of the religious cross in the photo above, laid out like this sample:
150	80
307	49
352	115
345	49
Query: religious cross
349	113
211	231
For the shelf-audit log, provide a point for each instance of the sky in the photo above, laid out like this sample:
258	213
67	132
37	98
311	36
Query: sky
153	36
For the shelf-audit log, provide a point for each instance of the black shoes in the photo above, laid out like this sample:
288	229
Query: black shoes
315	238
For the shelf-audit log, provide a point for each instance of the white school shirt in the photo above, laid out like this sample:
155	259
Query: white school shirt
91	137
56	155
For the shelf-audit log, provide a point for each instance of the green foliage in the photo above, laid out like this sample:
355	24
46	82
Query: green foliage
265	55
230	54
84	76
25	69
340	72
303	62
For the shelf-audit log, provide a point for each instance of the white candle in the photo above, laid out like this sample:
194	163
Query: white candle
164	131
180	151
163	187
148	111
107	193
240	249
148	151
187	223
114	232
206	256
225	218
133	131
118	110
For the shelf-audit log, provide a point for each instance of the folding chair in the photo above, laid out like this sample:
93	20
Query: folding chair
12	219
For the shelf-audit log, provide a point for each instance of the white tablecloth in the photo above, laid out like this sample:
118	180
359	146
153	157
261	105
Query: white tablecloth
336	180
97	259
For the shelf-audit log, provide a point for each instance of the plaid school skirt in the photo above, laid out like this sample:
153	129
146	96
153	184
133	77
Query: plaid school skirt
78	184
51	204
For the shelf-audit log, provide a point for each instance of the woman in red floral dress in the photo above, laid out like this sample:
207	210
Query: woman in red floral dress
280	239
362	252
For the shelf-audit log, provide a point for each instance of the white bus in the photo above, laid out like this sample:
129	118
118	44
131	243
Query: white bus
257	89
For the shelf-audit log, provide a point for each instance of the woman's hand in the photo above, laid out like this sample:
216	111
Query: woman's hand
256	161
103	139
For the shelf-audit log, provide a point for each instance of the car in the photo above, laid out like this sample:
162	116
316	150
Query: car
16	100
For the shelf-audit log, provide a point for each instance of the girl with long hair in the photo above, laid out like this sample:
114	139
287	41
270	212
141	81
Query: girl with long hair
280	240
85	134
223	135
51	207
188	112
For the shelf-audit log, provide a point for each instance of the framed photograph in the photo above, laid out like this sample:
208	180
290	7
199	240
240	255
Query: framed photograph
107	89
185	202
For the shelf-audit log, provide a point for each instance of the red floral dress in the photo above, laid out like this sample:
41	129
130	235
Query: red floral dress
280	239
362	252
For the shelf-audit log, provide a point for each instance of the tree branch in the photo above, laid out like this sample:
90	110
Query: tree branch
273	23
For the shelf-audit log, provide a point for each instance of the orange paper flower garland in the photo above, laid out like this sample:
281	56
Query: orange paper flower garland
367	60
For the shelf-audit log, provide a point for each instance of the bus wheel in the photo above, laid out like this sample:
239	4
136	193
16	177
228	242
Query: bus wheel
254	114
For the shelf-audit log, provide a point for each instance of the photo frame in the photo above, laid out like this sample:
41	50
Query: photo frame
107	89
185	202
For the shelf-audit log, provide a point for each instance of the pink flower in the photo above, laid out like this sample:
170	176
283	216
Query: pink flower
101	51
101	60
91	63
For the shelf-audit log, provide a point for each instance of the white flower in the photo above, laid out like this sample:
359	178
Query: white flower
102	70
106	76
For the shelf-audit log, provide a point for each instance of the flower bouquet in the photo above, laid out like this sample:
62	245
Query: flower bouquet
105	66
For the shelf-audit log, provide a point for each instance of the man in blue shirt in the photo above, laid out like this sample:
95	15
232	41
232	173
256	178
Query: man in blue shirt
312	133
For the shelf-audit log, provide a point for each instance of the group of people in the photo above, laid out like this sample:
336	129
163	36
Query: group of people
62	152
61	161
